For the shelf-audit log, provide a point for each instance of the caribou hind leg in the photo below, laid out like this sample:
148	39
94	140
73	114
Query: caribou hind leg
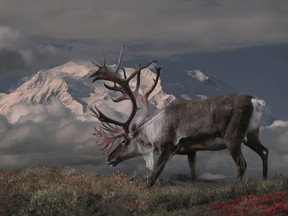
239	161
254	143
236	153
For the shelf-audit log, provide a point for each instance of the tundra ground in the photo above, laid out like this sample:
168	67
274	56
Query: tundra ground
57	191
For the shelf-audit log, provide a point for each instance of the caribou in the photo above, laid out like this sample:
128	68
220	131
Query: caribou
183	127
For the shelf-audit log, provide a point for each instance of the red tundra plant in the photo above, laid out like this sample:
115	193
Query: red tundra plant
271	204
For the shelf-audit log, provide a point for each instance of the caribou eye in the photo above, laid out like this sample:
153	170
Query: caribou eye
123	141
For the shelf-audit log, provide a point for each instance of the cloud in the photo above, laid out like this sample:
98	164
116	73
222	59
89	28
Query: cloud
17	53
17	45
168	27
47	135
22	56
8	37
11	62
12	58
276	139
50	135
36	135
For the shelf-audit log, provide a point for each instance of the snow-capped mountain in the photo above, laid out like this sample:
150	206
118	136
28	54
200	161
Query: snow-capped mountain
2	95
70	84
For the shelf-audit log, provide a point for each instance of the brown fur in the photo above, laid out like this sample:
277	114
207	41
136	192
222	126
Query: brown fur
186	127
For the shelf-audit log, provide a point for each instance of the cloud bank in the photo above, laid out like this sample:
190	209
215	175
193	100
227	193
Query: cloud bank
36	135
47	135
168	27
37	35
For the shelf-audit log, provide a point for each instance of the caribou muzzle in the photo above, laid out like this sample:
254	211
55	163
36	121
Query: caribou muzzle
112	161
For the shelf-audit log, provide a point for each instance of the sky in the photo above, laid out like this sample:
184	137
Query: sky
237	41
244	43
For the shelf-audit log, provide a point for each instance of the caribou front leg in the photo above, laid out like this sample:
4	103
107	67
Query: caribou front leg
165	156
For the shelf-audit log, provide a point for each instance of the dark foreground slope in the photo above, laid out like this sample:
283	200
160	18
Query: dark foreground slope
58	191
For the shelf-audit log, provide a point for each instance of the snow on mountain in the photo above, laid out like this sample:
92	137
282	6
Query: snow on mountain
195	84
69	83
2	95
197	74
278	124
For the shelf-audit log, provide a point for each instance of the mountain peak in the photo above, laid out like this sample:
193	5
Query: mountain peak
69	83
198	75
72	68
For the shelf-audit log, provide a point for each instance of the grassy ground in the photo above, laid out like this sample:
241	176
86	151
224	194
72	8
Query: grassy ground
55	191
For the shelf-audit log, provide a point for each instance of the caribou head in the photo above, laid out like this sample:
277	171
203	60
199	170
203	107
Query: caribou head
111	129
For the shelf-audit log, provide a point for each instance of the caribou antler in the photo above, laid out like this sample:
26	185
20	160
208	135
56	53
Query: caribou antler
108	133
141	98
106	137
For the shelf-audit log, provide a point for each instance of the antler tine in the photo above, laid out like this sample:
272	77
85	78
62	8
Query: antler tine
114	88
106	124
105	140
104	55
95	72
107	129
103	118
144	99
138	82
158	70
139	69
94	112
124	73
122	97
105	73
119	59
95	129
110	128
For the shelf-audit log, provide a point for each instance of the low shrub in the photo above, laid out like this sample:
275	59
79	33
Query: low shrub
57	191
